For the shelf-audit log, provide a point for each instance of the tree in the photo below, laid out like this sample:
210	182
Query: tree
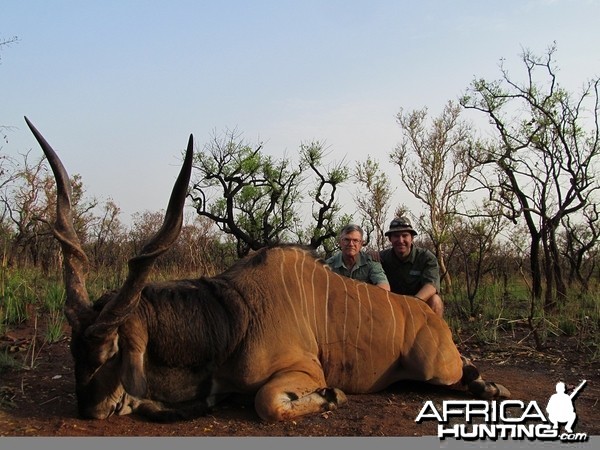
545	159
475	240
435	168
373	201
257	194
199	249
580	246
28	203
325	210
108	238
7	42
255	197
23	202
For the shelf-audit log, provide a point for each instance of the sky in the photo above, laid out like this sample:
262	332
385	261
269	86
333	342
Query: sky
117	86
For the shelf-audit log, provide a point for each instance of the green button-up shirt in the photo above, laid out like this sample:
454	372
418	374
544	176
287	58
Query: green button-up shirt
408	276
365	269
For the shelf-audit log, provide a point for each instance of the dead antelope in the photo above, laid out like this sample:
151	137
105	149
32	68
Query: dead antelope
278	325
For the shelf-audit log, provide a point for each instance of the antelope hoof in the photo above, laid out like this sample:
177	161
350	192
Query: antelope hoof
503	392
488	390
334	398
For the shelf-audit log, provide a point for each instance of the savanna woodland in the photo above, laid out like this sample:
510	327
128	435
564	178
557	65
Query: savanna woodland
509	207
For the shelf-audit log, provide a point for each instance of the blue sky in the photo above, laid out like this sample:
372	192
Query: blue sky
117	86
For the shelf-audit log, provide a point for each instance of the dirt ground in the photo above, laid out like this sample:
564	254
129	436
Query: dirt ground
40	401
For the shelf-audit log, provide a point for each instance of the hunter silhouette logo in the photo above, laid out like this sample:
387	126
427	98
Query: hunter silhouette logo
507	419
560	407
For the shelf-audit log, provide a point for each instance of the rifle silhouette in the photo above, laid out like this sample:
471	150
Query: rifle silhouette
576	390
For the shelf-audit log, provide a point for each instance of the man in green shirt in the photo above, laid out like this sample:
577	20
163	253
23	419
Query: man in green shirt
411	270
351	262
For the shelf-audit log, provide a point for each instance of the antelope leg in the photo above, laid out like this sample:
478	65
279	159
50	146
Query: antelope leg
293	394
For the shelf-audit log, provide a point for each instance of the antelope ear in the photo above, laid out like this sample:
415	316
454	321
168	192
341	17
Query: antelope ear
132	373
99	349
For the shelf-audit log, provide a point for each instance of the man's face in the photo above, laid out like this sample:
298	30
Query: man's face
351	243
401	242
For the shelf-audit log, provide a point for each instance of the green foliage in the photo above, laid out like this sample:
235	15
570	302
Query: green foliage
53	303
54	326
257	198
544	158
16	294
54	299
27	295
504	311
7	362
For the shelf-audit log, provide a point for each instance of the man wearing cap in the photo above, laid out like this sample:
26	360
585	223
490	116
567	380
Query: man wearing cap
411	270
353	263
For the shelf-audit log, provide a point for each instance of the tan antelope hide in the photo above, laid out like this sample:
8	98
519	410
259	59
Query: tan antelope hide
278	325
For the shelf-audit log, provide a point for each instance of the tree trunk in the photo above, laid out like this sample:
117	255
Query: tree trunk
536	272
446	279
559	281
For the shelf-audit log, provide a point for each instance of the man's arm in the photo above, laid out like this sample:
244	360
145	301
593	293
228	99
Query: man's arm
427	291
430	272
377	275
384	286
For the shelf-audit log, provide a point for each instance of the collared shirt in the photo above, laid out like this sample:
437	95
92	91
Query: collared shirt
410	275
365	269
